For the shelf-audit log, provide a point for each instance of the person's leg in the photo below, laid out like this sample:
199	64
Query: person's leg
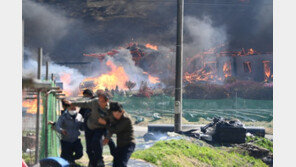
78	149
112	147
88	139
123	154
111	144
67	152
97	146
117	156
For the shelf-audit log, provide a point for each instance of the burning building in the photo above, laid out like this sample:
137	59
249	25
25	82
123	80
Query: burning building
217	66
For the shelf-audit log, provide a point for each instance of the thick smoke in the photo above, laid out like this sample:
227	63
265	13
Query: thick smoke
66	32
73	31
46	26
201	35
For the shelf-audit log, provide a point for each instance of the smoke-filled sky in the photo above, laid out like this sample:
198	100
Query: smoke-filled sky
66	32
68	29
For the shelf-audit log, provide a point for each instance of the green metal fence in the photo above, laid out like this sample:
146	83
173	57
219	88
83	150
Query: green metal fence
53	108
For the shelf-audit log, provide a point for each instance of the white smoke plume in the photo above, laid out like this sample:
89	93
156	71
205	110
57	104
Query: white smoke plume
72	77
201	35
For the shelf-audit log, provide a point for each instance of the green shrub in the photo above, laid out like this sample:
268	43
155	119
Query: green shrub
262	142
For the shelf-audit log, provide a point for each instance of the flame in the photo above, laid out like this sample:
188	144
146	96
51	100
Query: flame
227	69
154	47
116	77
267	72
203	74
251	51
31	106
152	79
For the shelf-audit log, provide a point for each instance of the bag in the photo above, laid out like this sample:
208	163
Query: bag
230	132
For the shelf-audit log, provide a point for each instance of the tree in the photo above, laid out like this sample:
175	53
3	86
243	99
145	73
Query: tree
130	85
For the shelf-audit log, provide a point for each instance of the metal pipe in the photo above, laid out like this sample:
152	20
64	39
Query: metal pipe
46	126
179	67
38	107
46	72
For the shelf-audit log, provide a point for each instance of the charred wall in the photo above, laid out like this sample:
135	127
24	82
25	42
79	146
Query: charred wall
256	64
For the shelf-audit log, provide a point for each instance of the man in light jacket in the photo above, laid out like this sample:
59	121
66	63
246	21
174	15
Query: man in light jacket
68	125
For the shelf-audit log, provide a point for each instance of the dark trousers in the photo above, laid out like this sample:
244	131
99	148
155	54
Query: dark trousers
94	145
71	151
123	154
111	145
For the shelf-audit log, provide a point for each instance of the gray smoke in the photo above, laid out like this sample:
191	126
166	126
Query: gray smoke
30	70
45	24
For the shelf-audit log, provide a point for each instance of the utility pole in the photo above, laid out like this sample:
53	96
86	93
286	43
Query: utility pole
179	66
38	107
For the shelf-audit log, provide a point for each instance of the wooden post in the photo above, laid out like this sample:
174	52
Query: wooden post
38	107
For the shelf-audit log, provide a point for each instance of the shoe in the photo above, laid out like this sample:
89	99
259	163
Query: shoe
89	165
101	164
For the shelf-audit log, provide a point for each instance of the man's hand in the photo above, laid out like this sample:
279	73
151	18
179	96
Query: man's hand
52	124
102	121
67	102
64	132
105	141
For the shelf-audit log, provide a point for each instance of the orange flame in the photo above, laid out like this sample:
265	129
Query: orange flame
152	79
227	69
154	47
116	77
267	72
31	106
251	51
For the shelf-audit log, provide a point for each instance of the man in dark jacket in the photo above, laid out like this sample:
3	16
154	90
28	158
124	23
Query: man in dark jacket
98	108
123	128
85	112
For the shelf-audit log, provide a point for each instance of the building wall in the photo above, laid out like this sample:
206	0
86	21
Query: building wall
257	66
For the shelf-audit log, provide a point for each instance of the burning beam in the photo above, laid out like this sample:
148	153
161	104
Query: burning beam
150	46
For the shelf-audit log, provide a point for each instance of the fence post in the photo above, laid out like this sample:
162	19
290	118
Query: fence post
38	107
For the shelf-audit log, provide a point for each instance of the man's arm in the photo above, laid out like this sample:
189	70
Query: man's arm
58	125
82	103
118	127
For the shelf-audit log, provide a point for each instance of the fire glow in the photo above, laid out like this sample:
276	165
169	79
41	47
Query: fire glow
31	106
153	80
227	69
266	70
153	47
116	77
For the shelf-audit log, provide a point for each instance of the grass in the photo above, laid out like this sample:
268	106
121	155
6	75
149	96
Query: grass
261	142
29	159
178	153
